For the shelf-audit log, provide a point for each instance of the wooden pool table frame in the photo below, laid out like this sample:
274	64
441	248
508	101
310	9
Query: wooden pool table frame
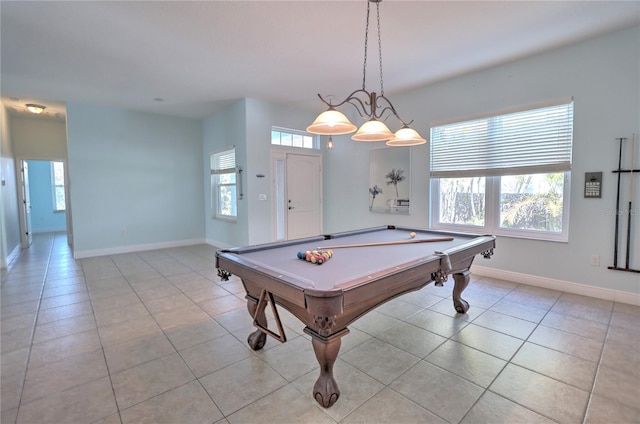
327	313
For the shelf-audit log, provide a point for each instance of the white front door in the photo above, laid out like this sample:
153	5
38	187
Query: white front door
303	195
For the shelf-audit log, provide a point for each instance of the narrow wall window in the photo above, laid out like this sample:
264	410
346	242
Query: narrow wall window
57	171
223	185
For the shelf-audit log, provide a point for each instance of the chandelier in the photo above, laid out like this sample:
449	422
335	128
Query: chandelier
371	106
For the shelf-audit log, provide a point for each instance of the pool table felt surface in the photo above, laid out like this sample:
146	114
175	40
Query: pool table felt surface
350	267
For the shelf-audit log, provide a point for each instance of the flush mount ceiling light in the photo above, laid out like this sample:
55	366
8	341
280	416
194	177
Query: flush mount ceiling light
34	108
371	106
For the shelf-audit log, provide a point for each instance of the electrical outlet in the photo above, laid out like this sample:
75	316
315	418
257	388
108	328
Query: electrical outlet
594	260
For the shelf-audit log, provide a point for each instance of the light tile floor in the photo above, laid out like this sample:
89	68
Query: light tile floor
156	337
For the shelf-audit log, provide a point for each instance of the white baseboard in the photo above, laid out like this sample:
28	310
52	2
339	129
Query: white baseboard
79	254
219	244
49	230
11	257
560	285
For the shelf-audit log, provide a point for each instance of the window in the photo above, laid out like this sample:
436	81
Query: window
506	175
57	171
223	184
293	138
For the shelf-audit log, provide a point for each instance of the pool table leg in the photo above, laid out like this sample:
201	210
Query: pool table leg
461	282
257	339
326	391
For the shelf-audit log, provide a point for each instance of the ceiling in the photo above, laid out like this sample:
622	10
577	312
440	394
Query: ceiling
191	58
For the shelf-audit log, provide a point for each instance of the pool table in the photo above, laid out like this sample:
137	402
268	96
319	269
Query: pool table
355	280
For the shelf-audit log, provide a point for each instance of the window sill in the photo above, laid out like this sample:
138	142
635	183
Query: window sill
519	234
225	219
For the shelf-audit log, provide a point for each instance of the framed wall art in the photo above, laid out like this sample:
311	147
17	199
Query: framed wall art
390	180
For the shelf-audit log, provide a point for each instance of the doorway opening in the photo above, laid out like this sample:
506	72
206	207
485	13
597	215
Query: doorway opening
43	199
297	194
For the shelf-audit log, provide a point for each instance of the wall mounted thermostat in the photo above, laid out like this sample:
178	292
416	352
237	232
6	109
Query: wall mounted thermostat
593	184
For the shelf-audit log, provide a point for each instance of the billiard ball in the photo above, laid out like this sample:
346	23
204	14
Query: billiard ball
412	234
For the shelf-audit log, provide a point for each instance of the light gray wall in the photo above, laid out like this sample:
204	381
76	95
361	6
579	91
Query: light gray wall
24	137
135	178
261	116
247	125
143	173
225	129
39	137
602	75
9	220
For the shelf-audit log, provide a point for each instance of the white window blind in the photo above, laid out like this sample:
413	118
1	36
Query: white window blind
223	162
527	142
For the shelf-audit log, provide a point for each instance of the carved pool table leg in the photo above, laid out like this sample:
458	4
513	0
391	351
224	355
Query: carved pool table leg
461	282
257	339
326	391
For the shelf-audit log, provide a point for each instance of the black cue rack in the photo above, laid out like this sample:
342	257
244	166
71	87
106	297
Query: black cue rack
632	174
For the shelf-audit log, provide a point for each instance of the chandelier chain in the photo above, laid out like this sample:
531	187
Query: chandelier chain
366	43
373	107
379	48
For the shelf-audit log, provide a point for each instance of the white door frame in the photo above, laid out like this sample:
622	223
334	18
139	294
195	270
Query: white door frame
21	205
24	211
279	195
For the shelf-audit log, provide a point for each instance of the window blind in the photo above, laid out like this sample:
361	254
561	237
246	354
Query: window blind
526	142
223	162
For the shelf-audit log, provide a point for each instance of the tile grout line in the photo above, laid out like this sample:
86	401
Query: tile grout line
590	393
50	263
516	353
485	390
177	352
598	365
35	324
104	356
253	353
423	359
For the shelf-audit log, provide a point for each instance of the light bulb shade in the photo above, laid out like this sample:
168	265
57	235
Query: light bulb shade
330	143
34	108
331	122
373	130
406	137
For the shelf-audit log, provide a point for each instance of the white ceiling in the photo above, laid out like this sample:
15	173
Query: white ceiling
200	56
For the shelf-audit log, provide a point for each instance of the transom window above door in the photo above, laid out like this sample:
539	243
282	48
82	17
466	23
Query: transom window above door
293	138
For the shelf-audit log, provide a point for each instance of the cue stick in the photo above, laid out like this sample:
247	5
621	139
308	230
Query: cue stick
385	243
633	154
615	243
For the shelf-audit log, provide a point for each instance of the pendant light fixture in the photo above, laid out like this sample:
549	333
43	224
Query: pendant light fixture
371	106
330	143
